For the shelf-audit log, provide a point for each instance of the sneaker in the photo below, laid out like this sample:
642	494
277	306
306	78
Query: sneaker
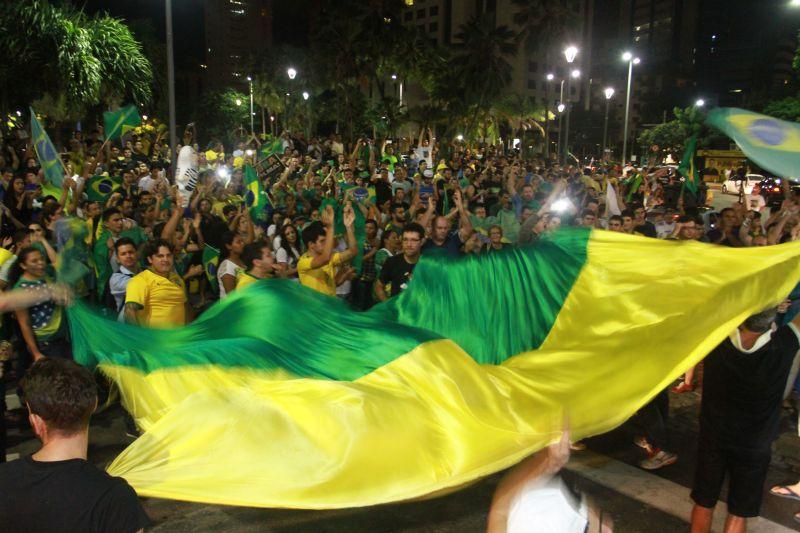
644	444
683	387
659	460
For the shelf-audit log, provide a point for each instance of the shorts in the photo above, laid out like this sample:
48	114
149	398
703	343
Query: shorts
746	470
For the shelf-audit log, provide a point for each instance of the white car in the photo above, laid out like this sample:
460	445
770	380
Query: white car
731	185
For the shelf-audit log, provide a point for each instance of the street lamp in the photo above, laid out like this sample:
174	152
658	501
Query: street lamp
570	54
700	102
305	95
291	72
238	102
609	92
629	57
795	3
460	137
394	76
252	126
561	108
550	77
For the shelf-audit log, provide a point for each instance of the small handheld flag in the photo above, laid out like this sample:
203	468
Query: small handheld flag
773	144
118	122
99	188
252	195
687	167
48	157
210	263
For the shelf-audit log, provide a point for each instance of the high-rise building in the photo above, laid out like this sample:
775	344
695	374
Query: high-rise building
234	29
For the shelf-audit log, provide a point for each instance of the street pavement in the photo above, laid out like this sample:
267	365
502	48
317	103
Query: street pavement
607	473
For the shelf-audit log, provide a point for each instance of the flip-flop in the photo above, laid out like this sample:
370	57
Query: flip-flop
791	496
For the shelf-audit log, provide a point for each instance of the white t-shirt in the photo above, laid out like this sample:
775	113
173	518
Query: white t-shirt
226	267
281	256
425	153
546	507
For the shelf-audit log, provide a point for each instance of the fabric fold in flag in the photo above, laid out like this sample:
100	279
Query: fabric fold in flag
771	143
300	402
51	163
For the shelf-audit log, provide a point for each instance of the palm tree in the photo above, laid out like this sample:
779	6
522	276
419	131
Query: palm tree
543	23
481	64
60	51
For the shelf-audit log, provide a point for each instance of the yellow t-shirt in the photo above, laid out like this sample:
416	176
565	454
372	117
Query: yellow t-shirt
164	300
244	279
322	279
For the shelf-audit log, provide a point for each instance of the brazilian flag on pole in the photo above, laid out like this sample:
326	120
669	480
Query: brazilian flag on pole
771	143
210	263
99	188
253	197
48	157
687	167
273	148
118	122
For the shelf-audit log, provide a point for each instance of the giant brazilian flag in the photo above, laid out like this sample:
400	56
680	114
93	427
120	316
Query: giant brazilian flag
282	397
772	143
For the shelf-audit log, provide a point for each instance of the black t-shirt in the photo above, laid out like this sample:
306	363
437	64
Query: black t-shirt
397	271
451	245
71	495
383	191
742	392
647	229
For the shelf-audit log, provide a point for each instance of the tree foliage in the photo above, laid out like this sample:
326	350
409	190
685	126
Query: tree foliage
784	109
670	137
59	52
223	113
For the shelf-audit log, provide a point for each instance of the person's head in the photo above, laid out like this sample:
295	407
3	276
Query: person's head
552	222
232	245
480	211
258	256
496	235
30	263
370	229
615	223
526	213
627	221
760	322
413	234
688	227
18	185
398	212
112	220
314	237
727	218
127	255
60	396
639	216
527	193
288	235
92	209
35	230
229	212
159	254
588	218
441	226
138	147
390	240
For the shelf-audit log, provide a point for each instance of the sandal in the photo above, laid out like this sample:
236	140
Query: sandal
791	496
683	387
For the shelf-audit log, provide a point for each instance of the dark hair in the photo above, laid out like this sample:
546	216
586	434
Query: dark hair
229	208
683	219
16	269
108	213
395	206
285	242
587	212
372	221
151	247
385	235
252	252
415	228
227	239
61	392
122	241
628	213
615	218
312	232
761	322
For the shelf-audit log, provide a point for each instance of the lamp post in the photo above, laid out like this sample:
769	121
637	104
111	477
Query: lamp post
560	108
628	56
609	92
173	137
252	114
292	73
550	78
570	53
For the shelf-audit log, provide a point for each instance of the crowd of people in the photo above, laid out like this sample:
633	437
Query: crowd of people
350	222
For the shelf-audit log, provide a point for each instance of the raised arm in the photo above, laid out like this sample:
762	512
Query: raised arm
352	245
323	258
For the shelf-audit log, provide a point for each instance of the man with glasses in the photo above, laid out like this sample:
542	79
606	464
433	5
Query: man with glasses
398	269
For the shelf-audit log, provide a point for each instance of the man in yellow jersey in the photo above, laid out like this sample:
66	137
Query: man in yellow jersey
317	267
258	262
156	297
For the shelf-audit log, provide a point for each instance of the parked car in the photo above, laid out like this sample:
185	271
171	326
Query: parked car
732	185
772	190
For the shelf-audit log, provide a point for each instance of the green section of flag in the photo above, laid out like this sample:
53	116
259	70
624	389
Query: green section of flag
48	157
687	167
273	148
210	263
772	144
99	188
118	122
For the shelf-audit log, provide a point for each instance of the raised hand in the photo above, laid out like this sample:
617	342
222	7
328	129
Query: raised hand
349	215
